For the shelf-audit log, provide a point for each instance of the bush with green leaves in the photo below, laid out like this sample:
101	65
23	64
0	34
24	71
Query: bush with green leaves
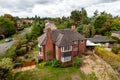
6	63
77	62
48	63
55	63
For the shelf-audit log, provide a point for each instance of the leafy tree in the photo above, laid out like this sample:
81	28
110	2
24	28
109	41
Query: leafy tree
11	19
76	17
37	28
7	26
101	22
85	19
115	24
80	28
86	30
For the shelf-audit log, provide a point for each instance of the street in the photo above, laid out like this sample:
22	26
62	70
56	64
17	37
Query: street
5	46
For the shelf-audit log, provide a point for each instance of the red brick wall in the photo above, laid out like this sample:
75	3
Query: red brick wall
58	53
74	52
82	46
49	47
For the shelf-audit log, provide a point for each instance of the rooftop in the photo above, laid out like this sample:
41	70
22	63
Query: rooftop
62	37
117	32
99	38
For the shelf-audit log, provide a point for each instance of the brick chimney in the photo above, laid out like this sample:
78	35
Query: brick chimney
48	33
73	27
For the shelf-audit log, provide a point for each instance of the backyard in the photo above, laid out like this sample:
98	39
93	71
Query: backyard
49	73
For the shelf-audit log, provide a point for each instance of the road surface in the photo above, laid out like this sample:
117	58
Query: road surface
6	45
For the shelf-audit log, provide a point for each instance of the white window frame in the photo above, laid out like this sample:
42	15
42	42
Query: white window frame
40	52
75	42
63	49
66	59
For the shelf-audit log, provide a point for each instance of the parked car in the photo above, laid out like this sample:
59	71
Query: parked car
8	39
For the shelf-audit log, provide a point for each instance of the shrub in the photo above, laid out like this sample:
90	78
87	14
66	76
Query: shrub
4	73
48	63
55	63
116	49
21	51
6	63
41	65
77	62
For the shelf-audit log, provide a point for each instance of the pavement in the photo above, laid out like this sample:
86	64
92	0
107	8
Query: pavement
6	45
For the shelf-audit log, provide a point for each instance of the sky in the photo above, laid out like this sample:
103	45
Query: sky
57	8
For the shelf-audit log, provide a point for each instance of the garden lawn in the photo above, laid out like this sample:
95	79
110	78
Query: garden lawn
2	41
49	73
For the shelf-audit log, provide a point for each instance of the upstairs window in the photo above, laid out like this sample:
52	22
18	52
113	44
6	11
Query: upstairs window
75	42
40	50
66	48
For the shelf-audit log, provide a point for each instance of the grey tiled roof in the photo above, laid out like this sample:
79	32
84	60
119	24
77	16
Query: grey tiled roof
117	32
101	39
62	37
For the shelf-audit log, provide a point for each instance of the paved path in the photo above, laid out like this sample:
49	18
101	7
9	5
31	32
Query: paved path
6	45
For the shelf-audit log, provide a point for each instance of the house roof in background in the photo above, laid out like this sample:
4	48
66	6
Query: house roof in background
99	38
117	32
62	37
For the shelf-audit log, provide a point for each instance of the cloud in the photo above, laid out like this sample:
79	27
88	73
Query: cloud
56	8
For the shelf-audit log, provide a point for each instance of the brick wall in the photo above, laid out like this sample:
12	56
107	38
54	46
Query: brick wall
82	46
49	50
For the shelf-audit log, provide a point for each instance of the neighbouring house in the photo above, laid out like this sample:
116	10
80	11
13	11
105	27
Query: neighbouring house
116	34
19	23
101	40
91	45
62	44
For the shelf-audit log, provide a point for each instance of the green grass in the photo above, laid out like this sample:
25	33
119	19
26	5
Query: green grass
2	41
49	73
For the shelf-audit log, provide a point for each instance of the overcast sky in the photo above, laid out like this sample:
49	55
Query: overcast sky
57	8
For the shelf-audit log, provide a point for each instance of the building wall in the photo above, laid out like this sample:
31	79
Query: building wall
58	53
49	47
82	46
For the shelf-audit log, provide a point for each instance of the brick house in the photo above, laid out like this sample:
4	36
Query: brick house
62	44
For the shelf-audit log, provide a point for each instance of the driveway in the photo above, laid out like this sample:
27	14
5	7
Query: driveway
6	45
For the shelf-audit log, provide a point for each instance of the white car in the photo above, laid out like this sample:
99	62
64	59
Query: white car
8	39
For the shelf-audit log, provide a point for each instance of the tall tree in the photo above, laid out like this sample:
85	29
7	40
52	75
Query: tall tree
7	25
11	18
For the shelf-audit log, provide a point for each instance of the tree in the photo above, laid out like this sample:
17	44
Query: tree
76	17
11	19
115	24
101	21
7	26
37	28
85	19
87	30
